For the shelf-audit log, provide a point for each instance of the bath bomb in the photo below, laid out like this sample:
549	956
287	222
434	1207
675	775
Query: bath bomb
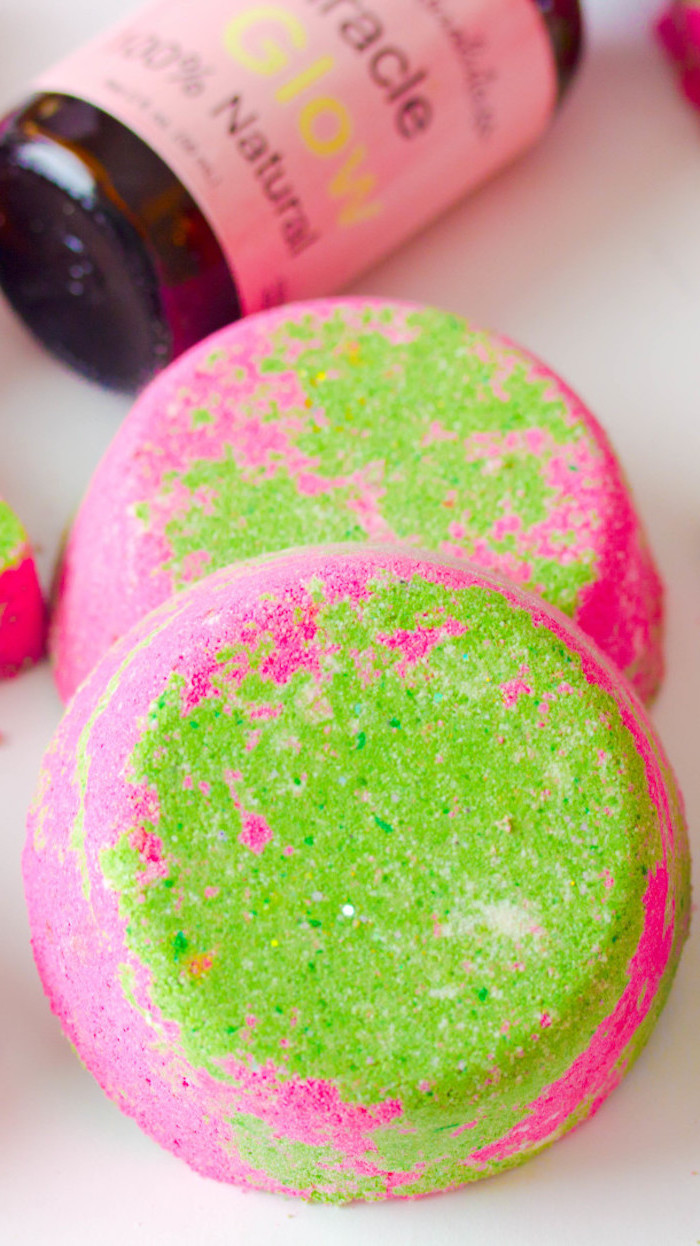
679	32
356	420
21	602
355	875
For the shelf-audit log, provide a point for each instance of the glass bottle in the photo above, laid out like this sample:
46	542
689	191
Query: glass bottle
105	254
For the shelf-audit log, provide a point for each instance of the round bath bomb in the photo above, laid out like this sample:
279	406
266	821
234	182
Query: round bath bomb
356	420
21	604
354	875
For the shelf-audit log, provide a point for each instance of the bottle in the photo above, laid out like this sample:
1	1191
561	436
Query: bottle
189	167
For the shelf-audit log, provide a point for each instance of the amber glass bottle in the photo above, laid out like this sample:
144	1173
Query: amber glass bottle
104	253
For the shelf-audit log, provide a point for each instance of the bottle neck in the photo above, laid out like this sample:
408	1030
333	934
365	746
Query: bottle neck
565	28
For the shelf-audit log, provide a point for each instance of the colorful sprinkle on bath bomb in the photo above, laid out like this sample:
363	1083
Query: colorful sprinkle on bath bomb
355	875
21	604
356	420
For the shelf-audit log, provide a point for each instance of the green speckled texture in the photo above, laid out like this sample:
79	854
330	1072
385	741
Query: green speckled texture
13	538
450	888
370	394
348	421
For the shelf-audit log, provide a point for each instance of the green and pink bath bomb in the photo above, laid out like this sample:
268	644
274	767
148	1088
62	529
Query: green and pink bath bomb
352	874
357	420
21	604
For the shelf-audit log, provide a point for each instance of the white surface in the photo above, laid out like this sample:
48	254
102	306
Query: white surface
588	252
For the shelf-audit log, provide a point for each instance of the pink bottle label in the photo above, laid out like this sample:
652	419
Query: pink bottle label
316	135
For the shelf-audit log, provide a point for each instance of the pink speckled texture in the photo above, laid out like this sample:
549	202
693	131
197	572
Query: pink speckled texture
78	934
116	567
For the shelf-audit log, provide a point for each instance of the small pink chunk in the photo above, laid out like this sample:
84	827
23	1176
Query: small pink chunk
256	832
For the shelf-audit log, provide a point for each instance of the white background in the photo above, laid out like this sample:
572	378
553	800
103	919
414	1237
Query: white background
588	252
